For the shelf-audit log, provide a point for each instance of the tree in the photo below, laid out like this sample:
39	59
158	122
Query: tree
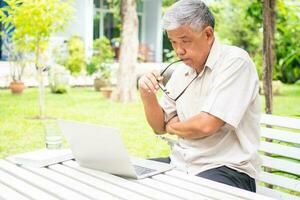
287	68
269	19
33	22
239	23
126	81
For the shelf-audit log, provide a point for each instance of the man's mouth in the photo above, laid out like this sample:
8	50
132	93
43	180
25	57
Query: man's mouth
185	59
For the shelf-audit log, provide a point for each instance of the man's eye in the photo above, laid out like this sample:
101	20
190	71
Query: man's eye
186	41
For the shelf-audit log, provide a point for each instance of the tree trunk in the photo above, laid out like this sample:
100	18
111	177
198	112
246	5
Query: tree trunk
269	18
41	93
126	80
41	83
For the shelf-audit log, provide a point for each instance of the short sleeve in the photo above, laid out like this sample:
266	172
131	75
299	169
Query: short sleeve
234	88
168	105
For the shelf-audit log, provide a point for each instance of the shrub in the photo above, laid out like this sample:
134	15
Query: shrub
102	55
59	79
276	87
75	60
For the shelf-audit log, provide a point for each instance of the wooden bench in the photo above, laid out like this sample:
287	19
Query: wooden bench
280	152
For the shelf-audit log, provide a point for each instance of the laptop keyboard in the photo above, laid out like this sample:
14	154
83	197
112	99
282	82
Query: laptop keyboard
142	170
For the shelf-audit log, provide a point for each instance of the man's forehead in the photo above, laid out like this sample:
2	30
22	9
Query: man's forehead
180	32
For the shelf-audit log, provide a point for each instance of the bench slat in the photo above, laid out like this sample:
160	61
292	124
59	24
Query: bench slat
280	164
287	151
112	188
48	186
8	193
275	194
244	194
281	181
186	185
285	136
24	187
121	182
170	189
286	122
71	183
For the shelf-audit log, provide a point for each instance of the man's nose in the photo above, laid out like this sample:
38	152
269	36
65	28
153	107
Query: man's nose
180	51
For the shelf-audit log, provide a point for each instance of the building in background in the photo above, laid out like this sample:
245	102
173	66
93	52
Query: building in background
95	18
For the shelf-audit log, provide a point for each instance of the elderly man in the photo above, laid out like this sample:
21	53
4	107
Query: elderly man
210	103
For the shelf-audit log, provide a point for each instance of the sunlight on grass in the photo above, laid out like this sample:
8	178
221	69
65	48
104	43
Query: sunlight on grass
20	132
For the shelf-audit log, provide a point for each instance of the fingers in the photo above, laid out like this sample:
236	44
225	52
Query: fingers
174	120
169	129
149	82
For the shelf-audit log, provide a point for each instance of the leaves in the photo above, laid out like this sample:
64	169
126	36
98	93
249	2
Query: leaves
287	43
240	23
103	54
34	22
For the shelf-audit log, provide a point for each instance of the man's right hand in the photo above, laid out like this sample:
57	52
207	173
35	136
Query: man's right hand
148	83
148	86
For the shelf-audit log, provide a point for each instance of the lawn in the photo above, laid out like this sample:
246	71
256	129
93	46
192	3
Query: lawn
21	132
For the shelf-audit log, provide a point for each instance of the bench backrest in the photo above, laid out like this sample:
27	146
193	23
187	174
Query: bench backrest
280	151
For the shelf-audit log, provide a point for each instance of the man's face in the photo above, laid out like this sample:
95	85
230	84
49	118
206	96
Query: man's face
192	46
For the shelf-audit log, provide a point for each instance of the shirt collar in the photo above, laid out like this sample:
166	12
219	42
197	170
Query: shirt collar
213	55
212	58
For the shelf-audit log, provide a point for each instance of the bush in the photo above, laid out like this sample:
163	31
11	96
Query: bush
59	79
276	87
287	68
102	55
75	60
170	56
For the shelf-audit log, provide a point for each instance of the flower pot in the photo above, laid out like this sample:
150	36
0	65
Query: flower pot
99	83
16	87
106	91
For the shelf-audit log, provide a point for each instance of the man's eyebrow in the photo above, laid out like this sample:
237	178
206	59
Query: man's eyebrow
181	37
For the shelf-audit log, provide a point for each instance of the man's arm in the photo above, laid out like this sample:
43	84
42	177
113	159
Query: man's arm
148	87
201	125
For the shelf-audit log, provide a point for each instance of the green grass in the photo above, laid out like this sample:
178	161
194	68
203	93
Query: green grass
21	132
288	102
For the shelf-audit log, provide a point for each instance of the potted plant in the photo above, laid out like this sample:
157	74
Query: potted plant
104	76
99	64
17	65
17	85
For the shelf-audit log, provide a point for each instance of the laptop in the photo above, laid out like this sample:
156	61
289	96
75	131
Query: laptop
101	148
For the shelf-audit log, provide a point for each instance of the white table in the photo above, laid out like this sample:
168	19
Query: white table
68	180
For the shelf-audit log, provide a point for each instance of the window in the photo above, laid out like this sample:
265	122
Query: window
109	25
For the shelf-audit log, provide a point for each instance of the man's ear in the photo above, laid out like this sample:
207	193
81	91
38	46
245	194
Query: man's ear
209	34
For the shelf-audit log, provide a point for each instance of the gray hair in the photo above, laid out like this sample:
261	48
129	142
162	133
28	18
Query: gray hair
188	12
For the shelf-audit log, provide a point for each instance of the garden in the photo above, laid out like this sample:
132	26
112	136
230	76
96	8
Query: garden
23	111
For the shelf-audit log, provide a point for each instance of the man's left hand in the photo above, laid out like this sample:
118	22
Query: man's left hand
171	121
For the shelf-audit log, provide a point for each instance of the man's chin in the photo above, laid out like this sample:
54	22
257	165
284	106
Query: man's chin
188	62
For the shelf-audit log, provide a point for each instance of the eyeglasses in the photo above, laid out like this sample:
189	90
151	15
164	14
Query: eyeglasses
164	89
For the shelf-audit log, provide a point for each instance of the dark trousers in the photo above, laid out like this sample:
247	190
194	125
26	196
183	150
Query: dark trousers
224	175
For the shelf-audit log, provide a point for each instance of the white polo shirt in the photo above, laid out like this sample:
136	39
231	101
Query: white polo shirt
227	88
